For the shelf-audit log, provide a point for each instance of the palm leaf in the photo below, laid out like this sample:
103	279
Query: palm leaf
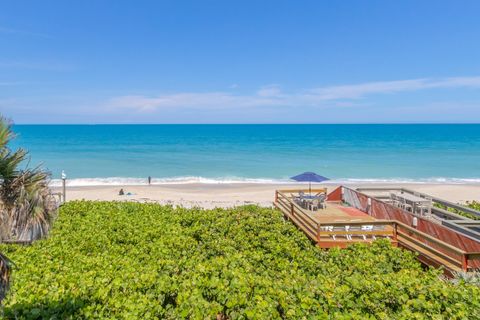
27	205
6	133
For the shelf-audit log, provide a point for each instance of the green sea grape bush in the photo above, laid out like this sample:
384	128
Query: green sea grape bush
474	205
470	204
121	260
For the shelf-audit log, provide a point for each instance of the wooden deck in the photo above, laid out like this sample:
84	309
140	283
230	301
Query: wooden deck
336	225
339	225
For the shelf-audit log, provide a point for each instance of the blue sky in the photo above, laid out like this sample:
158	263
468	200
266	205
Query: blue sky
98	61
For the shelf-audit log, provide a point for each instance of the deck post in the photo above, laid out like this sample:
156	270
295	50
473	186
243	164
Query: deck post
465	262
395	225
276	195
64	186
64	190
292	209
318	233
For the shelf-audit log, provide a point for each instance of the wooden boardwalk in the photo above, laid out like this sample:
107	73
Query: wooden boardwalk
339	225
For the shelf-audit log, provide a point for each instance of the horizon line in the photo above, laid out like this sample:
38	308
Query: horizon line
242	124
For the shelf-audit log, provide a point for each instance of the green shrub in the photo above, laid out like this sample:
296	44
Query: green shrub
146	261
474	205
469	204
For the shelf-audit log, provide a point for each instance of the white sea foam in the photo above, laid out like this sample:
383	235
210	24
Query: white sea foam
116	181
121	181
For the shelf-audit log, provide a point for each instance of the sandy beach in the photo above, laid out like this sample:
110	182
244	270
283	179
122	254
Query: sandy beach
229	195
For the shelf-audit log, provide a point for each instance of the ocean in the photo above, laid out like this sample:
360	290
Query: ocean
128	154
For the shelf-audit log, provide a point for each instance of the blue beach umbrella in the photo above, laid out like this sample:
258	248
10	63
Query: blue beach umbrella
310	177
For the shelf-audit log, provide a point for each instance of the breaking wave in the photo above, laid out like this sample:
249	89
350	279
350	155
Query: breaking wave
120	181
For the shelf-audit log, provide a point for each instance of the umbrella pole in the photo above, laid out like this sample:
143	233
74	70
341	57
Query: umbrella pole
310	187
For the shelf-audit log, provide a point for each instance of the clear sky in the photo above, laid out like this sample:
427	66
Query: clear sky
98	61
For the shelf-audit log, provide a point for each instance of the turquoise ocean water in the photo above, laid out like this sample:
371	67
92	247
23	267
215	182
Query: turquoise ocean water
119	154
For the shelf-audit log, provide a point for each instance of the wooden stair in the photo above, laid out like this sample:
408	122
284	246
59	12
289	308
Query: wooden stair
431	251
435	259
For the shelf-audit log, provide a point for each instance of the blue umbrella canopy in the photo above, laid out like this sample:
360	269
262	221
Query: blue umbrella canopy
309	177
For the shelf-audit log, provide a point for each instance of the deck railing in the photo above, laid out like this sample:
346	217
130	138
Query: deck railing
342	234
431	250
293	211
332	233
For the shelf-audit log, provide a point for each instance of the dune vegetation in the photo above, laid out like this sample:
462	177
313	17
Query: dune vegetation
146	261
475	205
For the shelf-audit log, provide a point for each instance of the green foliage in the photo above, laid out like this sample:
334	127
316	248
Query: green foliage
473	205
471	277
27	207
146	261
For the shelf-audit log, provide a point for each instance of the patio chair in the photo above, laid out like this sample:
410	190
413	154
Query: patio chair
405	206
348	236
314	204
366	228
355	229
395	200
421	209
302	201
317	202
322	197
329	229
424	209
296	198
293	196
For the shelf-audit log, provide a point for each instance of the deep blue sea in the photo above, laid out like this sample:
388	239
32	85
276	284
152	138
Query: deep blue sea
114	154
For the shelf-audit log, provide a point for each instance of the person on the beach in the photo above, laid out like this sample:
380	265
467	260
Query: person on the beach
149	180
121	192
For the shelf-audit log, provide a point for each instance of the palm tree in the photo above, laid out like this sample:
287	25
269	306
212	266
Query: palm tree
26	203
5	270
27	207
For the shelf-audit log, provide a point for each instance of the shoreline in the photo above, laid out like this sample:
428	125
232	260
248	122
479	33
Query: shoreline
226	195
187	180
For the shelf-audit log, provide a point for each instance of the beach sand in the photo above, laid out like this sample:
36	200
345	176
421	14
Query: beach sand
230	195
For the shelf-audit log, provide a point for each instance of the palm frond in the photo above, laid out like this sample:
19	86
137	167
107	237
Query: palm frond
27	206
6	133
